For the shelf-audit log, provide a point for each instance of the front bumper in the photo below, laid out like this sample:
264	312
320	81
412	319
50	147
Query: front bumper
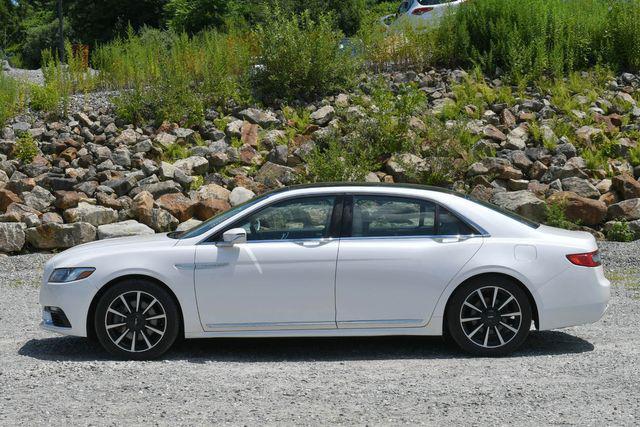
73	299
578	296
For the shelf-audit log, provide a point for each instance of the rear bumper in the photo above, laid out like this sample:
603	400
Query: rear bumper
578	296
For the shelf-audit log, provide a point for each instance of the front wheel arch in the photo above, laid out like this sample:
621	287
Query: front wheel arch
91	330
489	276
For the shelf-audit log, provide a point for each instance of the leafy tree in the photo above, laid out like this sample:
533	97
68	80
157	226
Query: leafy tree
195	15
99	21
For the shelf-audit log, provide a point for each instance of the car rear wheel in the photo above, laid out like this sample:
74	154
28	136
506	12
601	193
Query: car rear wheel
489	317
136	319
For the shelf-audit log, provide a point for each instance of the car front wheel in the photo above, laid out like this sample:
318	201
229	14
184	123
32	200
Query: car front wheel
489	317
136	319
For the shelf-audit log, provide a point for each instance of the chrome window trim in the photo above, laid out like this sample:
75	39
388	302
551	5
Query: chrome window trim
339	192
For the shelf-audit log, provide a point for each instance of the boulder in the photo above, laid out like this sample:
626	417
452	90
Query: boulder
60	236
580	209
6	198
39	198
493	133
626	210
161	188
523	202
273	175
626	186
177	205
194	165
123	229
322	116
142	206
240	195
208	208
212	191
67	199
92	214
162	221
581	187
188	224
259	117
12	237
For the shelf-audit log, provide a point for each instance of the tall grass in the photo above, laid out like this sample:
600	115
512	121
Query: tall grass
527	39
172	76
12	97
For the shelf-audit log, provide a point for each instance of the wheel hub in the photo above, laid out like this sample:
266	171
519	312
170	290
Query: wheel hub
136	321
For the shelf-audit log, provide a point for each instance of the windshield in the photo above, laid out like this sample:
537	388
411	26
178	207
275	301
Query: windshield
215	220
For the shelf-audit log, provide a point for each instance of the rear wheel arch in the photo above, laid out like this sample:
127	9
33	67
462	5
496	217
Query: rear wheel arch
488	277
91	330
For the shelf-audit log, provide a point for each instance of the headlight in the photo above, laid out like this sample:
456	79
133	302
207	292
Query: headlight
63	275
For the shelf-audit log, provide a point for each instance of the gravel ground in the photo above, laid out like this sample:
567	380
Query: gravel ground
585	375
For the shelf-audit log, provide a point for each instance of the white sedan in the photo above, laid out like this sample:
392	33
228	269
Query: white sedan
331	260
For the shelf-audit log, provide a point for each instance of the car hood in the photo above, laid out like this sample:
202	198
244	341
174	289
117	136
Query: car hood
72	256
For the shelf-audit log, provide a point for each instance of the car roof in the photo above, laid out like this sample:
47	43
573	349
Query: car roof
384	185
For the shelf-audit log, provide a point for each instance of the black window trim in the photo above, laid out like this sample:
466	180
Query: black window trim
332	231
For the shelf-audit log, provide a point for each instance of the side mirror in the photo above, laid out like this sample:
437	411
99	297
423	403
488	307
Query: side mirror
233	237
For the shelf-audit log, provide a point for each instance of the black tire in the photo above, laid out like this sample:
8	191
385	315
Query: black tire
487	331
153	320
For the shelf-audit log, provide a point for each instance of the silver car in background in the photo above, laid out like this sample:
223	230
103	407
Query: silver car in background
420	12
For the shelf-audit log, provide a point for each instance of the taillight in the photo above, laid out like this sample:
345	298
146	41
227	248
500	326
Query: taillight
590	259
421	10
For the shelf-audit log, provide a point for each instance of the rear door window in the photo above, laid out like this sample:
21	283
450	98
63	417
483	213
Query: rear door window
388	216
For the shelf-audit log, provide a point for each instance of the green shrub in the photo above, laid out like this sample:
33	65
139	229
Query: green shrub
26	148
175	152
12	95
172	76
44	98
556	216
620	232
300	58
334	161
532	38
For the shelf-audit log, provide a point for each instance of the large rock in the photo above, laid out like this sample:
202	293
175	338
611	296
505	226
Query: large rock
581	187
404	166
626	186
162	221
626	210
580	209
11	237
60	236
262	118
523	202
212	191
207	208
322	116
123	229
6	198
273	175
92	214
194	165
240	195
177	205
161	188
39	198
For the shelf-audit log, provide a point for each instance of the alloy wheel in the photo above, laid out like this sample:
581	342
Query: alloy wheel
490	317
135	321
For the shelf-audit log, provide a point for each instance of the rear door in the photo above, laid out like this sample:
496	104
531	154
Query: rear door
396	257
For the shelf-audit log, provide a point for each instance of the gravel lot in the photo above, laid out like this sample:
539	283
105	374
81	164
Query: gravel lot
587	375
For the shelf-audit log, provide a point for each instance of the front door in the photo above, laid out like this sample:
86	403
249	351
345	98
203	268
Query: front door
282	278
396	261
